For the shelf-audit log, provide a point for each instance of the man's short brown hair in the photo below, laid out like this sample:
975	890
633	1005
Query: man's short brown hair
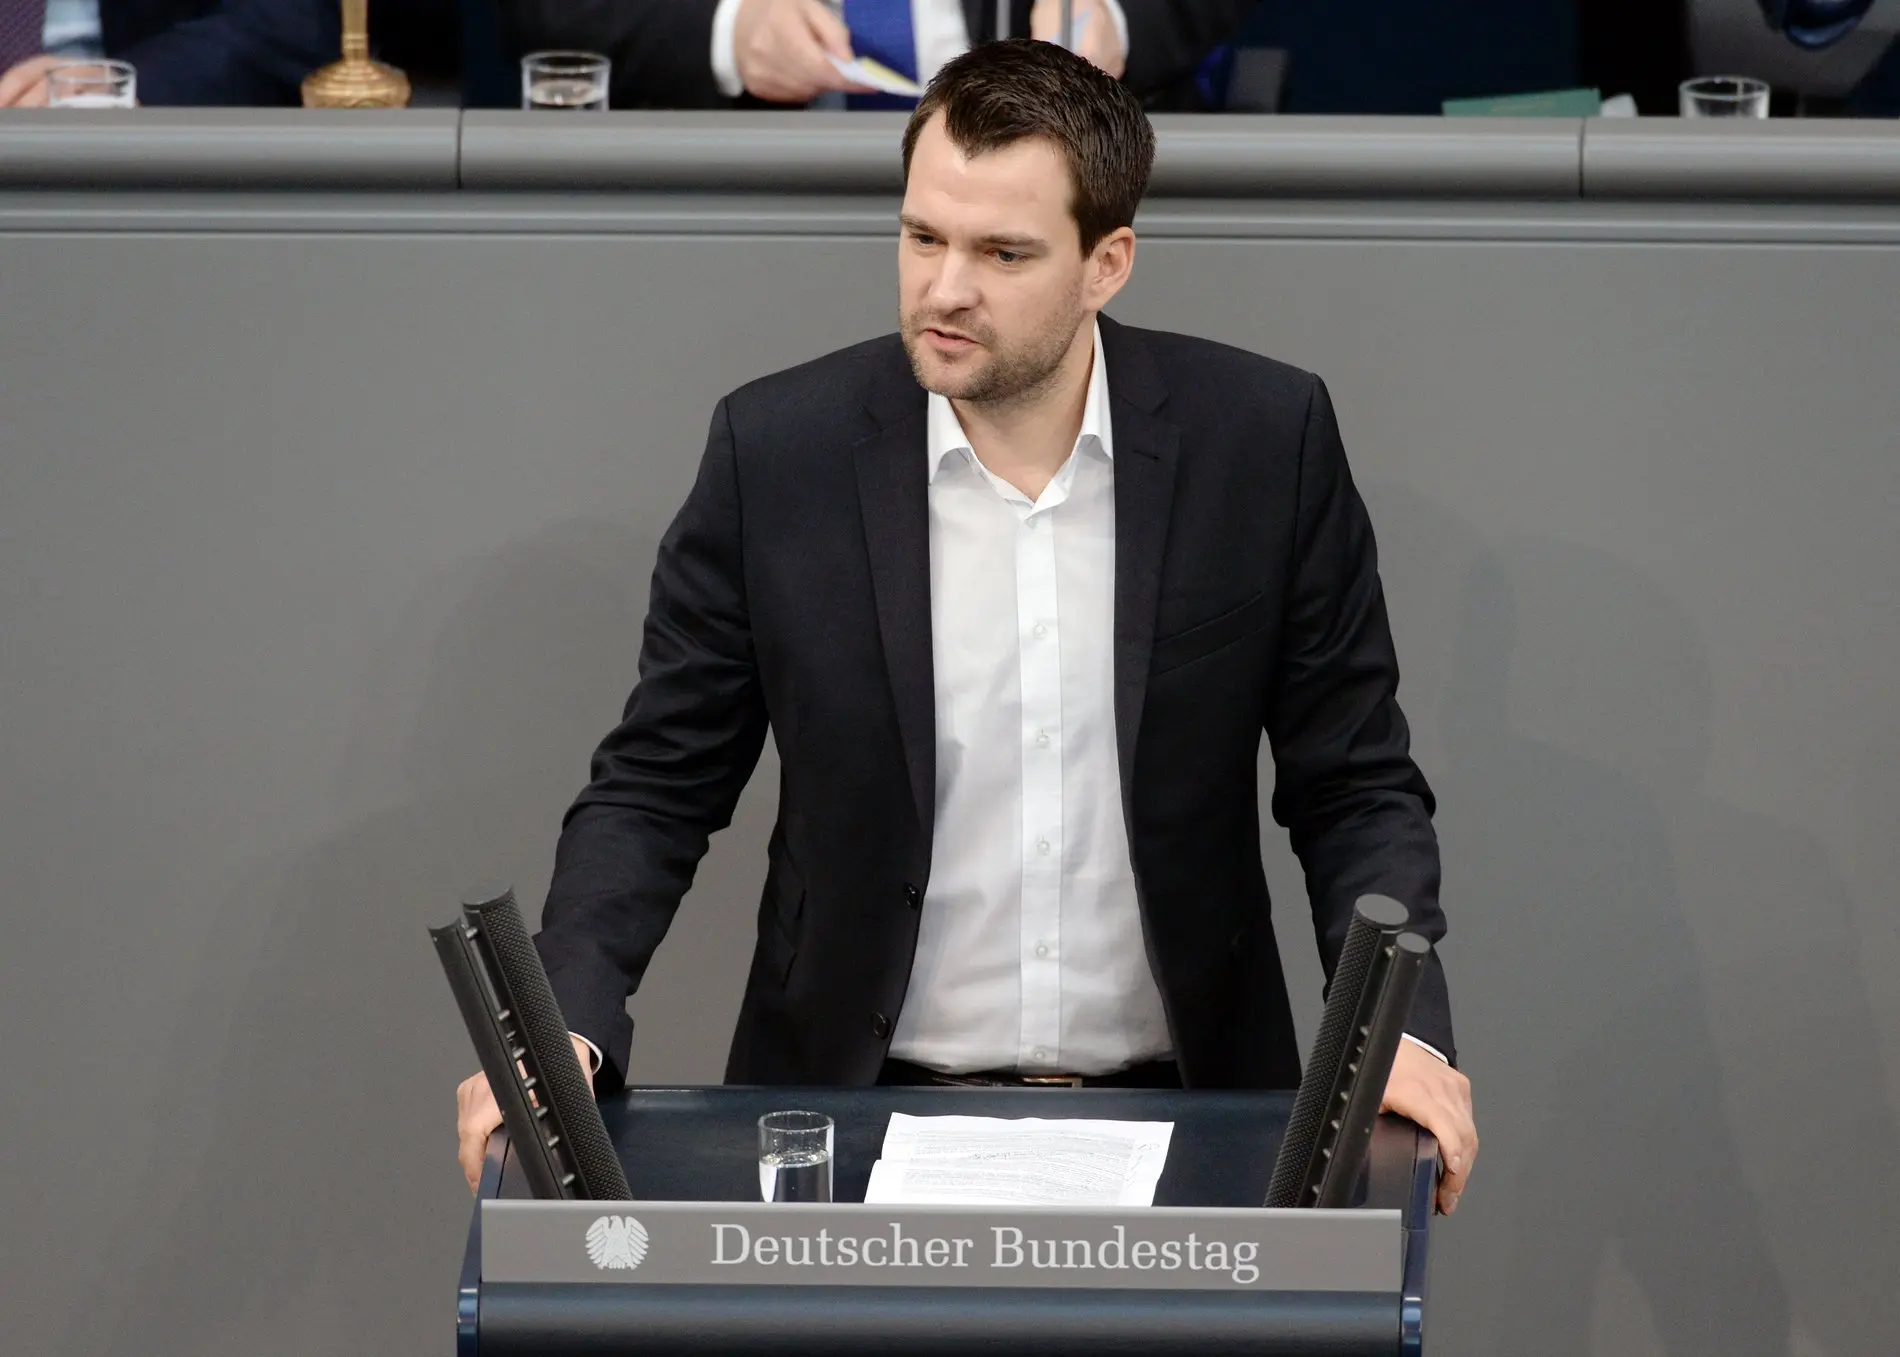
1004	92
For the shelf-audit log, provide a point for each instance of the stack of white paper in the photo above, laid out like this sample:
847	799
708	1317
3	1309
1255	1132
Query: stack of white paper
1029	1161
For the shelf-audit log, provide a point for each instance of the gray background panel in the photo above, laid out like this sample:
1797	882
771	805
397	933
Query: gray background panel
1364	156
809	151
858	153
1198	156
227	148
1846	159
322	561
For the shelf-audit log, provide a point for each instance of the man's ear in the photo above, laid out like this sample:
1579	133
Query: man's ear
1110	264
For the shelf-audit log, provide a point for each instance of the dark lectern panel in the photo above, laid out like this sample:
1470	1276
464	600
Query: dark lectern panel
784	1321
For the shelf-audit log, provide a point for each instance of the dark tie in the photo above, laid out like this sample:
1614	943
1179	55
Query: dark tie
880	29
23	29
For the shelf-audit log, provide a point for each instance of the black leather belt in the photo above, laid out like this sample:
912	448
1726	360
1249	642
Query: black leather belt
1148	1074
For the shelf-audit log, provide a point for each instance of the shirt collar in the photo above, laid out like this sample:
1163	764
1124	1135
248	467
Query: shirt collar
944	434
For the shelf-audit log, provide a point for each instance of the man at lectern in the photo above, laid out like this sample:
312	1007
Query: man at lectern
1017	591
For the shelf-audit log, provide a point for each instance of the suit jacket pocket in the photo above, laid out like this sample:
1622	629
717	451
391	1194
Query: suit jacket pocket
1204	638
775	954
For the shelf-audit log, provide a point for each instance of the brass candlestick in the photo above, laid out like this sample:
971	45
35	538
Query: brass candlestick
356	81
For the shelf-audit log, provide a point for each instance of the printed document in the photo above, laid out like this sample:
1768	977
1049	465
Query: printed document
1028	1161
877	76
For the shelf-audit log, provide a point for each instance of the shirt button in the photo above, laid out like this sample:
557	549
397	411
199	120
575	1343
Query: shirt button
1042	847
1039	1054
1042	739
1042	949
1040	631
880	1026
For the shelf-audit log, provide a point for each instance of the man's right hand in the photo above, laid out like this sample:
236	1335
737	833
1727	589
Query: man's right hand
782	49
477	1115
24	86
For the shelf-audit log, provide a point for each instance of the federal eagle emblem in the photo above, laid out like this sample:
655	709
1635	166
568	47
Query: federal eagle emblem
617	1242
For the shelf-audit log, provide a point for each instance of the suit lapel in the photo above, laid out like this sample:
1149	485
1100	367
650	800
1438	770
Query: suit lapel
1145	451
892	494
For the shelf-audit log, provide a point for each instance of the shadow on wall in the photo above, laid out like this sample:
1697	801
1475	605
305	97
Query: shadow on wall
1660	988
315	1207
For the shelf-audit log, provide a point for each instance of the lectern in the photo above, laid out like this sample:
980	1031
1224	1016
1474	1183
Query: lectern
683	1273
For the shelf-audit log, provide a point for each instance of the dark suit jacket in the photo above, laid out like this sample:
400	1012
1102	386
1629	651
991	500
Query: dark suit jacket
662	49
793	590
253	52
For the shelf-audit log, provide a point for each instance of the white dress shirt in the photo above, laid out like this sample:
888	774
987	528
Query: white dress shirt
937	26
1029	951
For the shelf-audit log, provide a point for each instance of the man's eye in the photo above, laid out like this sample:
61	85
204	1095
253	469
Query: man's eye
920	238
1008	257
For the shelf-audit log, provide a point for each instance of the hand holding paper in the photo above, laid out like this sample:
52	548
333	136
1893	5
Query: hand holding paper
783	50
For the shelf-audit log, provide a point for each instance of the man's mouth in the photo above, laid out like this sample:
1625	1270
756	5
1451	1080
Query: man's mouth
949	341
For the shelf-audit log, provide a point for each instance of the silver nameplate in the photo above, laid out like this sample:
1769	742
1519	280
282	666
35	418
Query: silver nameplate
756	1244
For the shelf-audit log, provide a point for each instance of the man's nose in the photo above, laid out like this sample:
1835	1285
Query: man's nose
954	286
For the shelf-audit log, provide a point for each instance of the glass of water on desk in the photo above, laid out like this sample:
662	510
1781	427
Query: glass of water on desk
795	1157
92	84
571	81
1723	96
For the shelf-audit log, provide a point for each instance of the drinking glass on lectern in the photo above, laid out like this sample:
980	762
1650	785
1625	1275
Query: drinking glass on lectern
795	1157
92	83
565	81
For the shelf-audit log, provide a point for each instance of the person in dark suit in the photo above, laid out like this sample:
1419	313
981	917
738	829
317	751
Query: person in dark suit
253	52
711	53
1017	591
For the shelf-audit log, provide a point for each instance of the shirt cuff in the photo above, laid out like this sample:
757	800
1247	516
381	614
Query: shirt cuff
1408	1036
1114	8
600	1060
725	69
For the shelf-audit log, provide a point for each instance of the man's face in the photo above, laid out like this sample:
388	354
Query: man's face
992	282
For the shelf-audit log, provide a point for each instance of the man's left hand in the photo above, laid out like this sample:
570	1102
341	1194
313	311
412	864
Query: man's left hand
1097	39
1437	1097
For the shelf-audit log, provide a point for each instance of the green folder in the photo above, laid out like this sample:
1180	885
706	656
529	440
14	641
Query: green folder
1544	104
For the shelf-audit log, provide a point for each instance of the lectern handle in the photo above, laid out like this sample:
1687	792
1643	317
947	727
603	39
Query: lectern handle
1414	1281
468	1290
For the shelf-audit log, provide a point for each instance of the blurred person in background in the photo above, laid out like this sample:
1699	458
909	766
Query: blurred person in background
718	53
427	41
185	51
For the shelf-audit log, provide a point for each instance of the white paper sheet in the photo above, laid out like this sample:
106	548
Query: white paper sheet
1029	1161
875	75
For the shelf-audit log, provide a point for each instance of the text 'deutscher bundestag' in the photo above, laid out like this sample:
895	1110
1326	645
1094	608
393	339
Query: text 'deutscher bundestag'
754	1244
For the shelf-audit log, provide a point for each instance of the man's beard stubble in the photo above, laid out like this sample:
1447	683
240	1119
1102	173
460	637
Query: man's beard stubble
1011	376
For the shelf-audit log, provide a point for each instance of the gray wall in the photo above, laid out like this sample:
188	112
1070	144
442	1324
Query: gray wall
324	529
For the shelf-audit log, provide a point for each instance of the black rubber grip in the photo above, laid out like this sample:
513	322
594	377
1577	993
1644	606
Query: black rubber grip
522	984
1373	918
